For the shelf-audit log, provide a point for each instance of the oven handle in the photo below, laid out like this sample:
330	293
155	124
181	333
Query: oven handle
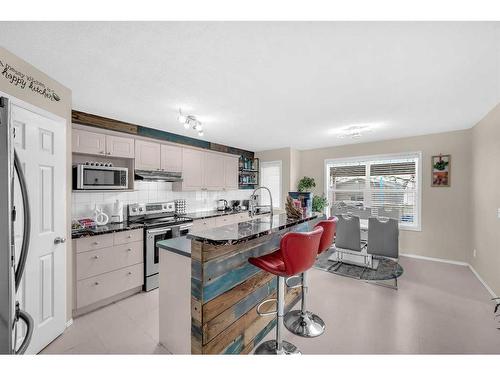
187	226
156	231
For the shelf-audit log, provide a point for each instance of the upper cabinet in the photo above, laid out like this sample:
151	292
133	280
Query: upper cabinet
205	170
231	172
120	147
85	142
171	158
214	171
147	155
192	170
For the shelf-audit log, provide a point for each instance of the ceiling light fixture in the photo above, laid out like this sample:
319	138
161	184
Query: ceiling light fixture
190	122
354	131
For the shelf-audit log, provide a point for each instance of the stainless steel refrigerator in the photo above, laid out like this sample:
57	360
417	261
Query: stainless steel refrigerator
11	264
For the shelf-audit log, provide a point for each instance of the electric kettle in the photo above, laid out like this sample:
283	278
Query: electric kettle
222	205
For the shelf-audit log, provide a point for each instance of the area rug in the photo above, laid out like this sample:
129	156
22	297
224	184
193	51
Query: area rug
387	268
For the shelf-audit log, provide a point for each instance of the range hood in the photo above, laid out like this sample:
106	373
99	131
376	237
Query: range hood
145	175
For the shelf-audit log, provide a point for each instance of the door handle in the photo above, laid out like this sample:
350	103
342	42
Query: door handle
59	240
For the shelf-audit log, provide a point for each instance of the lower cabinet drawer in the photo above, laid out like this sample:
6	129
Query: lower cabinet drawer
96	288
225	220
92	263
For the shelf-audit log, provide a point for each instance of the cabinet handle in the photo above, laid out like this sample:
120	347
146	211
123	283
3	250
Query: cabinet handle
129	249
129	236
96	256
129	273
96	283
109	153
96	243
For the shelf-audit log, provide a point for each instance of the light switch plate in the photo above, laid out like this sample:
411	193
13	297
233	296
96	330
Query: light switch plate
498	213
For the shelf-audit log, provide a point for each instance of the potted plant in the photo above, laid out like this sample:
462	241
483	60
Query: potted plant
319	203
306	184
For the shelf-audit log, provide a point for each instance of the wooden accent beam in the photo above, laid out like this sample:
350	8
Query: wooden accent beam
103	122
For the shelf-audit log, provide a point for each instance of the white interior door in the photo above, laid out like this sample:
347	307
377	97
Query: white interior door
41	145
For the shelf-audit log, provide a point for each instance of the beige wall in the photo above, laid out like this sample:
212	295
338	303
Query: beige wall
61	108
486	199
445	211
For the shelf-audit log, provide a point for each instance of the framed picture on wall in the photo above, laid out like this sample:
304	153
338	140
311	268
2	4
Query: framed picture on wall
441	167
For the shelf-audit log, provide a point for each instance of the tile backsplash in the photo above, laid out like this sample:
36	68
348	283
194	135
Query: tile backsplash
83	204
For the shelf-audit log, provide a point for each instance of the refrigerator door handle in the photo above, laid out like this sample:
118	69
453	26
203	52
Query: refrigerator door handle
28	320
23	256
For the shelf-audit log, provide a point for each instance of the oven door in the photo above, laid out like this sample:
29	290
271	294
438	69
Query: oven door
152	260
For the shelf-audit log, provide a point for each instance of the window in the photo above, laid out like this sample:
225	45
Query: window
270	177
389	182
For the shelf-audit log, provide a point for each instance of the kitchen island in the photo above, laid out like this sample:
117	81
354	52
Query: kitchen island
208	290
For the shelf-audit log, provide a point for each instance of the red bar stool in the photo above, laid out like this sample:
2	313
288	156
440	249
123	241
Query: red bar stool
302	322
297	253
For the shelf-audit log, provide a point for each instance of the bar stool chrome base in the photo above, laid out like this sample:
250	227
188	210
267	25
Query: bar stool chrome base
270	347
304	324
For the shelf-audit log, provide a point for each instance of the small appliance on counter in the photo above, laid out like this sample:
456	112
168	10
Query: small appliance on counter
235	205
222	205
245	204
117	212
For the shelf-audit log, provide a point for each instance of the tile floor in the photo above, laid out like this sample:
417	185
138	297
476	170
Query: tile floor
439	308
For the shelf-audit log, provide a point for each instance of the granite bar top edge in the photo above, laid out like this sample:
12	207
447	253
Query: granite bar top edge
248	230
105	229
177	245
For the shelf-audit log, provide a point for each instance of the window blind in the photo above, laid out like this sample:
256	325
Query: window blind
384	185
271	178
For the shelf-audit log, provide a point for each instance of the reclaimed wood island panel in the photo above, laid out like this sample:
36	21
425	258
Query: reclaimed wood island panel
223	288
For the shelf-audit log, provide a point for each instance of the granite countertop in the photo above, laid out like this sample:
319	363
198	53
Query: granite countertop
214	213
103	229
247	230
178	245
211	213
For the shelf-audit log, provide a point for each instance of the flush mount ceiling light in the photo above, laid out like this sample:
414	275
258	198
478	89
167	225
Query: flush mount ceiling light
354	131
190	122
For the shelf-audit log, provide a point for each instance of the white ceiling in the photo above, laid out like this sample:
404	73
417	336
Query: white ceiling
265	85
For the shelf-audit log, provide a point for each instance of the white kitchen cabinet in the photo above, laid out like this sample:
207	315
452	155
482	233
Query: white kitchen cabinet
192	169
213	166
106	265
147	155
171	158
230	173
205	170
202	224
120	147
85	142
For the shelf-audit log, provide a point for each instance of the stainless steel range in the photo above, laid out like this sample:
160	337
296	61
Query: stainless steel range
160	223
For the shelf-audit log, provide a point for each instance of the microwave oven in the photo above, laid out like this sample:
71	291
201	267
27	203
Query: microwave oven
91	177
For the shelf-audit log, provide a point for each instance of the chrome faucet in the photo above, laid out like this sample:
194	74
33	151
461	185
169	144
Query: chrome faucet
253	205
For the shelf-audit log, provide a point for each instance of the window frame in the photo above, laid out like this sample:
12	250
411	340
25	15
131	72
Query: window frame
279	163
413	154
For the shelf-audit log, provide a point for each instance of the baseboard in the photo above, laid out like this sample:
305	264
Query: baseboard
493	295
69	323
449	261
455	262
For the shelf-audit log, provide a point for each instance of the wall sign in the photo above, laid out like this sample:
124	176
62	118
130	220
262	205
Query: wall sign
26	82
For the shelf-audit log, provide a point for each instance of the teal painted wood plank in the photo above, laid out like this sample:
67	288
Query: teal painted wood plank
219	266
172	137
196	289
235	347
252	299
195	269
227	281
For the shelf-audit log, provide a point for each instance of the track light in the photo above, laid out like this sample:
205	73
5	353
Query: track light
190	122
